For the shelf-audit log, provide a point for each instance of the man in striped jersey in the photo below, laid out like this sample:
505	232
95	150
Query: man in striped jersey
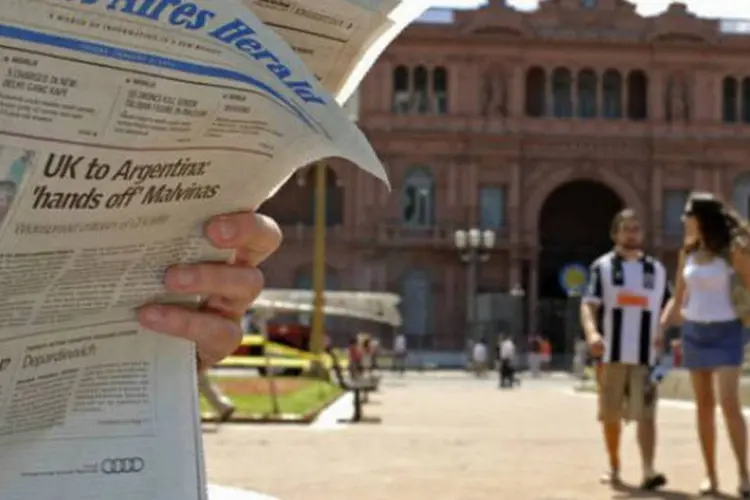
620	313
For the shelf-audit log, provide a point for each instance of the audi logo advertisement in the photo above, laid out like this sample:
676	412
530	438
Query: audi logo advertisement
122	465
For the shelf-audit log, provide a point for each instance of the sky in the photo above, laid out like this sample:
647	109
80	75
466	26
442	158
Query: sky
703	8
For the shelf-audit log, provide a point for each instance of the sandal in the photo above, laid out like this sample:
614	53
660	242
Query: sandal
654	482
610	477
708	488
744	490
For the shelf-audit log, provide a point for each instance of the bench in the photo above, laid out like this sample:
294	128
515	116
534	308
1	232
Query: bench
360	387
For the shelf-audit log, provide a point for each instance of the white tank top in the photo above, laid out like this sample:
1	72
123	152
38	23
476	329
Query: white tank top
708	291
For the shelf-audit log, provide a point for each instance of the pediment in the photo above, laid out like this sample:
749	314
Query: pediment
678	25
496	18
594	19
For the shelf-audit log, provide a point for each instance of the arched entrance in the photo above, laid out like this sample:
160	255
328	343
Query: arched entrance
574	226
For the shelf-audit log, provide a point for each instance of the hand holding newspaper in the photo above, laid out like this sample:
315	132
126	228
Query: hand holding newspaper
124	126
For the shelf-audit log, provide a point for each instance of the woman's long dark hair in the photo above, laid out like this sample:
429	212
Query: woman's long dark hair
719	226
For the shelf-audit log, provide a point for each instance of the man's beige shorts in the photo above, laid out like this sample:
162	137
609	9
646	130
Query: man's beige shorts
625	393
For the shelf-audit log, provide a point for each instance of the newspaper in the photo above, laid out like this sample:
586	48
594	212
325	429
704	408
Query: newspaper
125	125
338	40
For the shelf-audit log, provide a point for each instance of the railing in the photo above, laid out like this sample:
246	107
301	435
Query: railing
597	127
391	234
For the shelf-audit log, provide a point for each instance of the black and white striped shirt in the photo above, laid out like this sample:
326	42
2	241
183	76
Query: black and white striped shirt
631	294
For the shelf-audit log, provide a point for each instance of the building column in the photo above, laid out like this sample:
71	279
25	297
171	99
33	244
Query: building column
549	102
516	95
574	94
472	192
657	229
532	294
430	90
656	96
388	89
515	276
514	215
719	186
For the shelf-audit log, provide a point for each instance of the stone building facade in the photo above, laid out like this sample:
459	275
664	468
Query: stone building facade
536	125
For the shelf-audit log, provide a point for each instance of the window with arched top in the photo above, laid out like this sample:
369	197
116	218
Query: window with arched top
536	92
729	99
587	94
562	93
741	195
418	205
745	115
293	203
637	95
401	90
612	94
440	90
416	303
421	92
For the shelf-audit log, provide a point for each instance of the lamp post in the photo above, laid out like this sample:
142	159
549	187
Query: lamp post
518	294
317	334
474	246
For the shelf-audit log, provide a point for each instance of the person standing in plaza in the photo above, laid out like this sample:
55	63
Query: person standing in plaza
620	312
354	357
479	358
399	353
545	354
711	299
579	359
506	357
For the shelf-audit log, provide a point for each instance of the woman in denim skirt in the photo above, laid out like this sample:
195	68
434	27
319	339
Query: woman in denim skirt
712	334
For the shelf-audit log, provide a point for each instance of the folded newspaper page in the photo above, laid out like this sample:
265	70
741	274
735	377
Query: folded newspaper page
125	125
338	40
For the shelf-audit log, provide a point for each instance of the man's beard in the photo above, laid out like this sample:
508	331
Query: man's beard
631	245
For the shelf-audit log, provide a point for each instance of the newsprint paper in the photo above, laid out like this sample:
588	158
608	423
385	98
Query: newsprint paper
125	125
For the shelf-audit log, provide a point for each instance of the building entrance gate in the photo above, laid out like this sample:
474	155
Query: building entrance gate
574	228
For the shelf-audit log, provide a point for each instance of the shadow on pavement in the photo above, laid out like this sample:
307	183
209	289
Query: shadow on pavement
631	491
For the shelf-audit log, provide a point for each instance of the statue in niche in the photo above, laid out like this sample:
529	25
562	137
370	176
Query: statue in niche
677	100
494	94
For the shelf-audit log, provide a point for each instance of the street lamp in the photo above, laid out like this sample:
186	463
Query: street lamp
518	294
474	246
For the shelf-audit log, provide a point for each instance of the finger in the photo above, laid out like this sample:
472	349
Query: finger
232	309
235	283
215	336
253	235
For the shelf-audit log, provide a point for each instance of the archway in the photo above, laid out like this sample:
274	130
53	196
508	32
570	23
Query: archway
574	228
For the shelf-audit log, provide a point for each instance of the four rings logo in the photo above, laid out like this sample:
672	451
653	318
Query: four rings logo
129	465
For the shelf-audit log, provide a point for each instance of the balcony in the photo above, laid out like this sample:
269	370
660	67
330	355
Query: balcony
388	234
395	234
621	128
302	233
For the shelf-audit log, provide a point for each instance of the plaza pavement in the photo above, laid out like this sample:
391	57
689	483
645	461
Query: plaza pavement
456	438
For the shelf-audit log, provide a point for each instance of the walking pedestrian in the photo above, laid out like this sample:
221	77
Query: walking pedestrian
479	358
507	362
545	354
711	297
219	401
627	289
354	358
399	353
